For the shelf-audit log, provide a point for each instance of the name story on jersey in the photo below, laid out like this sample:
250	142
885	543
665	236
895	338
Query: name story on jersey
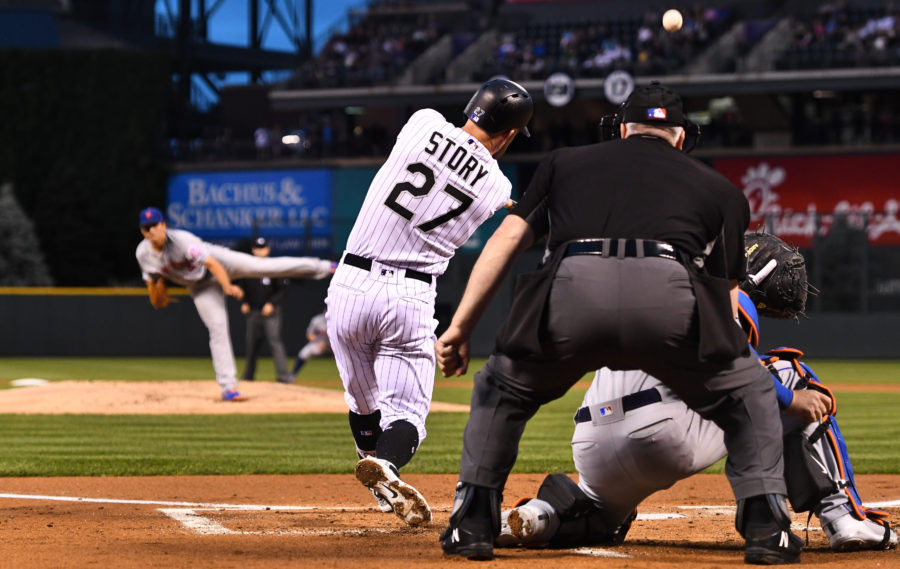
440	147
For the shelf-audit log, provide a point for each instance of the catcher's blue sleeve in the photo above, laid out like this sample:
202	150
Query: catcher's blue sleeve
784	395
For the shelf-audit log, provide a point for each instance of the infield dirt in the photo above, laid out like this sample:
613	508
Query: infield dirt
256	522
343	529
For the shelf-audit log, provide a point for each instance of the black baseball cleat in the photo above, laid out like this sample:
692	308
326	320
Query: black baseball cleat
780	548
764	523
470	539
474	522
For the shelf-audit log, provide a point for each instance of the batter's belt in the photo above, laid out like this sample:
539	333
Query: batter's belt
366	265
621	405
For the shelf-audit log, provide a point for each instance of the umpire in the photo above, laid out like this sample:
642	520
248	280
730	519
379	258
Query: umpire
262	306
644	255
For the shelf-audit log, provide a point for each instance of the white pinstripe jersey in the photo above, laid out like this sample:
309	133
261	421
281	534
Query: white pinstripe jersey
437	186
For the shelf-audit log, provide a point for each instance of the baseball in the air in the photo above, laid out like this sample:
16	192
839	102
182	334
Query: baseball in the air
672	20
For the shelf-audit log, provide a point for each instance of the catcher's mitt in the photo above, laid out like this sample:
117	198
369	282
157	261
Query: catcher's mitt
776	276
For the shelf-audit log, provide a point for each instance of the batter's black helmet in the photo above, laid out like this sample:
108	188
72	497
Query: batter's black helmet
499	105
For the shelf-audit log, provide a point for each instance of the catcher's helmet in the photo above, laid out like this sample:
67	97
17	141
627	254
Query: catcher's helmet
499	105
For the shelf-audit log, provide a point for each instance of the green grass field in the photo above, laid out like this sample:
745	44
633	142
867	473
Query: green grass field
118	445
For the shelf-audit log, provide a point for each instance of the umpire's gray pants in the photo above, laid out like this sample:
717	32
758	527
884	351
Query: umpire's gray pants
625	314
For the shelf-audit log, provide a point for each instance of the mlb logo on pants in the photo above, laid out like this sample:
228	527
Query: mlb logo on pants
605	411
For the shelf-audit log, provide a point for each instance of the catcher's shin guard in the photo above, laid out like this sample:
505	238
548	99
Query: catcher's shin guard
474	522
581	522
818	472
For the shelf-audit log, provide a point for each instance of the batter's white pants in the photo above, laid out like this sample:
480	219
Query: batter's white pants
381	327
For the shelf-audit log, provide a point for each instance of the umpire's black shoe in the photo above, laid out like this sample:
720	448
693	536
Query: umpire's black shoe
472	539
764	523
474	522
779	548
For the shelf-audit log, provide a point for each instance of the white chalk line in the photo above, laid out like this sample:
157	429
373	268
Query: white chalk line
599	552
191	520
186	514
250	507
660	516
889	504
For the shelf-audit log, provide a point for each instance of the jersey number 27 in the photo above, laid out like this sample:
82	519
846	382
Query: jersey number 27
464	199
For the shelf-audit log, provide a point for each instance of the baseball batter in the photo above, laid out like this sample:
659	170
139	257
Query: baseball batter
207	270
650	439
438	185
317	343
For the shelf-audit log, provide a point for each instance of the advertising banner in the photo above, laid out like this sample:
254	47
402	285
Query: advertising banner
798	197
291	208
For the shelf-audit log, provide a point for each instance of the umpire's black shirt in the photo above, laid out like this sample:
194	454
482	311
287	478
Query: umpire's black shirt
258	292
638	188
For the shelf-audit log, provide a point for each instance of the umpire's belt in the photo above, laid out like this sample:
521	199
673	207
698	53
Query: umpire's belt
629	403
621	248
366	265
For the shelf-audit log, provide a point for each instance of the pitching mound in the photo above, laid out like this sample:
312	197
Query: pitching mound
175	397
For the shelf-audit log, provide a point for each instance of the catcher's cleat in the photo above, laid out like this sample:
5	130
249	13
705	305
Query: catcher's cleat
523	525
850	534
383	504
382	478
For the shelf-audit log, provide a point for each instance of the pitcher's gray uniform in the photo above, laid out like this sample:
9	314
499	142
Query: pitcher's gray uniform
181	262
438	185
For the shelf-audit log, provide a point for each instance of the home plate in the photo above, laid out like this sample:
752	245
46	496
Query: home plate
28	382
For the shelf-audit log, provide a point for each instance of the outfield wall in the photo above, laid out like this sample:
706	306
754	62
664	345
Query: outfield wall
121	322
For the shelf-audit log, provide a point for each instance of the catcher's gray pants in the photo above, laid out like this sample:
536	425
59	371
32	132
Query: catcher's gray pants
622	458
270	326
625	314
210	299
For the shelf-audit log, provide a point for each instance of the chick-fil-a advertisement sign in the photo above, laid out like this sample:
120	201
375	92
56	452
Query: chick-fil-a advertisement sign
800	195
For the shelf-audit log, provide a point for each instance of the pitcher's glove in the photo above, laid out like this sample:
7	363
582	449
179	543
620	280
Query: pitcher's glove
776	276
159	293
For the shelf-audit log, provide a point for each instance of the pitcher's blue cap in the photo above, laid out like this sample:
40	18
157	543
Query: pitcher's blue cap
150	215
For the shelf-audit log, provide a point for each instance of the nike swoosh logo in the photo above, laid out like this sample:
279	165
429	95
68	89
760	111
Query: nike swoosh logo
393	492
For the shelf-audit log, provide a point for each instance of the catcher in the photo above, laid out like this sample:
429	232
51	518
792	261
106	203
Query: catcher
655	440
